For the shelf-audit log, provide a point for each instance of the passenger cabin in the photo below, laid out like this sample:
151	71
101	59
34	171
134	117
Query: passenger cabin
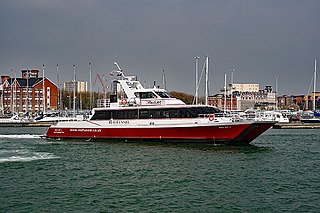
154	112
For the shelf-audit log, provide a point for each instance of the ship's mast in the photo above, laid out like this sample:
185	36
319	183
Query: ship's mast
164	82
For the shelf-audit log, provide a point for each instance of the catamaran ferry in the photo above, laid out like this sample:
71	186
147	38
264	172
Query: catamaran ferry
140	114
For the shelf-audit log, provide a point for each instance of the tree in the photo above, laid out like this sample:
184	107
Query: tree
186	98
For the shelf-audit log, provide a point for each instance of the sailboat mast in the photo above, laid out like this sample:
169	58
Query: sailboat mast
59	88
207	79
43	91
74	90
232	71
27	100
225	93
15	92
13	89
314	84
197	86
276	92
90	86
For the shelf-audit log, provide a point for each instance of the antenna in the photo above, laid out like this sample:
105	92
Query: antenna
164	82
115	63
119	73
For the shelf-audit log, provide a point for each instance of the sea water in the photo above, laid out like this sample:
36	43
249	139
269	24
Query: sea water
279	172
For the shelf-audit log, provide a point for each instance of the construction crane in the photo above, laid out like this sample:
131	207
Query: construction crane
104	87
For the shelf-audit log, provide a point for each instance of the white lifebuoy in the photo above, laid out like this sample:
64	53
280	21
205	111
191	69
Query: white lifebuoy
211	117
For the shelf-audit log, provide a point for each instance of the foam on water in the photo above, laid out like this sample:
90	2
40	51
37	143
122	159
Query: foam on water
29	157
13	151
21	136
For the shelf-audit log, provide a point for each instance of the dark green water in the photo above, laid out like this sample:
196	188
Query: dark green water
279	172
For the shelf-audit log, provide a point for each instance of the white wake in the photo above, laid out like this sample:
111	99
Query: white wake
26	158
21	136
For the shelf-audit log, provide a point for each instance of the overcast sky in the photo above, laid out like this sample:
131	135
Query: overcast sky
260	39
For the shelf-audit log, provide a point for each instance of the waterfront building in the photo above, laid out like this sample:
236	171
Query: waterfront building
81	86
244	99
299	102
222	103
242	88
25	94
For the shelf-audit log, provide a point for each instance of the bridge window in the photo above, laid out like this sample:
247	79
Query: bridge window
145	95
163	94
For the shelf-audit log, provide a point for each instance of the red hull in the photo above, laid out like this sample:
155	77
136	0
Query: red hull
221	133
254	131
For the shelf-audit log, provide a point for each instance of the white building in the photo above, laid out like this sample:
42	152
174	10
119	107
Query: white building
246	96
81	86
242	88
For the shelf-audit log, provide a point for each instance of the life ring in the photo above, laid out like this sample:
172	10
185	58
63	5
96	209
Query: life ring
211	117
123	101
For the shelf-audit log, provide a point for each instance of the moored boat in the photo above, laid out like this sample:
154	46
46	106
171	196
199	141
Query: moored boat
56	117
15	121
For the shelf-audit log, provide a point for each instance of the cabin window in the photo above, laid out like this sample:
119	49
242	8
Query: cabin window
99	115
145	95
144	113
115	114
124	114
163	94
154	113
176	113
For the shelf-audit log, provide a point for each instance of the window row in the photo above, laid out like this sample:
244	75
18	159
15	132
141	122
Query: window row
153	113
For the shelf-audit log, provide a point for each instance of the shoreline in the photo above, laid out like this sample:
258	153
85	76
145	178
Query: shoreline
296	125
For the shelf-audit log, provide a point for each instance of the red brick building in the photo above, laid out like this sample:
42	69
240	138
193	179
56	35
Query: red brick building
26	94
218	101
